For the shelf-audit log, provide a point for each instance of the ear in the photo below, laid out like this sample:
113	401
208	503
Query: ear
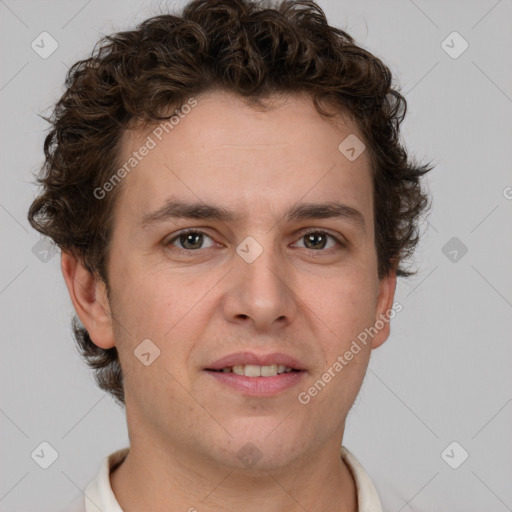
89	296
385	311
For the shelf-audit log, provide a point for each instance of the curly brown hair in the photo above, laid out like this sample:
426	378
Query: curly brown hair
254	49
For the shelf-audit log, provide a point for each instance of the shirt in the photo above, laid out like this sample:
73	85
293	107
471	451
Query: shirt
99	494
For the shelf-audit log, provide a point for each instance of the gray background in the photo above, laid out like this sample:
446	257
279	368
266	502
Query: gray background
441	377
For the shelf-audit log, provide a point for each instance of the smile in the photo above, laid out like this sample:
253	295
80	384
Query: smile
253	370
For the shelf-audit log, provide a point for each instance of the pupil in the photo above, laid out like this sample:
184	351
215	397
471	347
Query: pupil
312	237
190	237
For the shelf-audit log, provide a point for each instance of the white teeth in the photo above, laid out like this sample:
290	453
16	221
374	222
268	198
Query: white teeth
238	369
252	370
269	371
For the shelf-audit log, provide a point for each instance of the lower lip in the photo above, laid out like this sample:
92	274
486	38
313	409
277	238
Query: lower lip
258	386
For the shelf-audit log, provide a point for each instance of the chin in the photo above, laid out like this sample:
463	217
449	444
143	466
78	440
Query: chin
261	446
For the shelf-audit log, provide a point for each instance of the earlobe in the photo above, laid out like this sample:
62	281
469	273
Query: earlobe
384	311
88	294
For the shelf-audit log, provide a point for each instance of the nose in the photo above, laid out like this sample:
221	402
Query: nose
261	290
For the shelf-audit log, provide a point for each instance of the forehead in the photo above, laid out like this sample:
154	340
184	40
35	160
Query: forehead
253	162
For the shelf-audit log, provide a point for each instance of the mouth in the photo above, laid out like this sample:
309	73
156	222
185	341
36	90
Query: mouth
257	375
253	370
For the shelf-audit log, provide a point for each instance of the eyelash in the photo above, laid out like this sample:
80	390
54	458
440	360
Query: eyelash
340	243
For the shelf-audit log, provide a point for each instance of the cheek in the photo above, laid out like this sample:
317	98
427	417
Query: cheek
148	298
152	310
344	305
169	311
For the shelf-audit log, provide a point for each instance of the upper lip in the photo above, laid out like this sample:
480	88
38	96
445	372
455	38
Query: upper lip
243	358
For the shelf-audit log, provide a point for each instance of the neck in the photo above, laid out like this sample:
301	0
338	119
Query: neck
154	479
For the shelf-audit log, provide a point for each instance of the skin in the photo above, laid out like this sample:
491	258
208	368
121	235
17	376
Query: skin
186	428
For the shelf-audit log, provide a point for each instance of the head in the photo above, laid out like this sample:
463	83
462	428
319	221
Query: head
245	109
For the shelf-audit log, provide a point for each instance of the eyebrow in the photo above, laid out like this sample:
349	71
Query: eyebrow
176	209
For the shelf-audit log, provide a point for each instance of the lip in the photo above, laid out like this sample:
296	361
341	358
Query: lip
243	358
258	386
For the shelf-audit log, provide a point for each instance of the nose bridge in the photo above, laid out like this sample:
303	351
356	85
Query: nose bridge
262	292
261	262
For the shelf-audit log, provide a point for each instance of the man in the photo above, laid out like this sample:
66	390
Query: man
233	207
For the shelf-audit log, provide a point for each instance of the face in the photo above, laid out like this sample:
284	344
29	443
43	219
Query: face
262	282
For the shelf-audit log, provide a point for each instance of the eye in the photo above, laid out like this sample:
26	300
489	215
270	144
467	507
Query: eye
193	239
316	239
189	239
